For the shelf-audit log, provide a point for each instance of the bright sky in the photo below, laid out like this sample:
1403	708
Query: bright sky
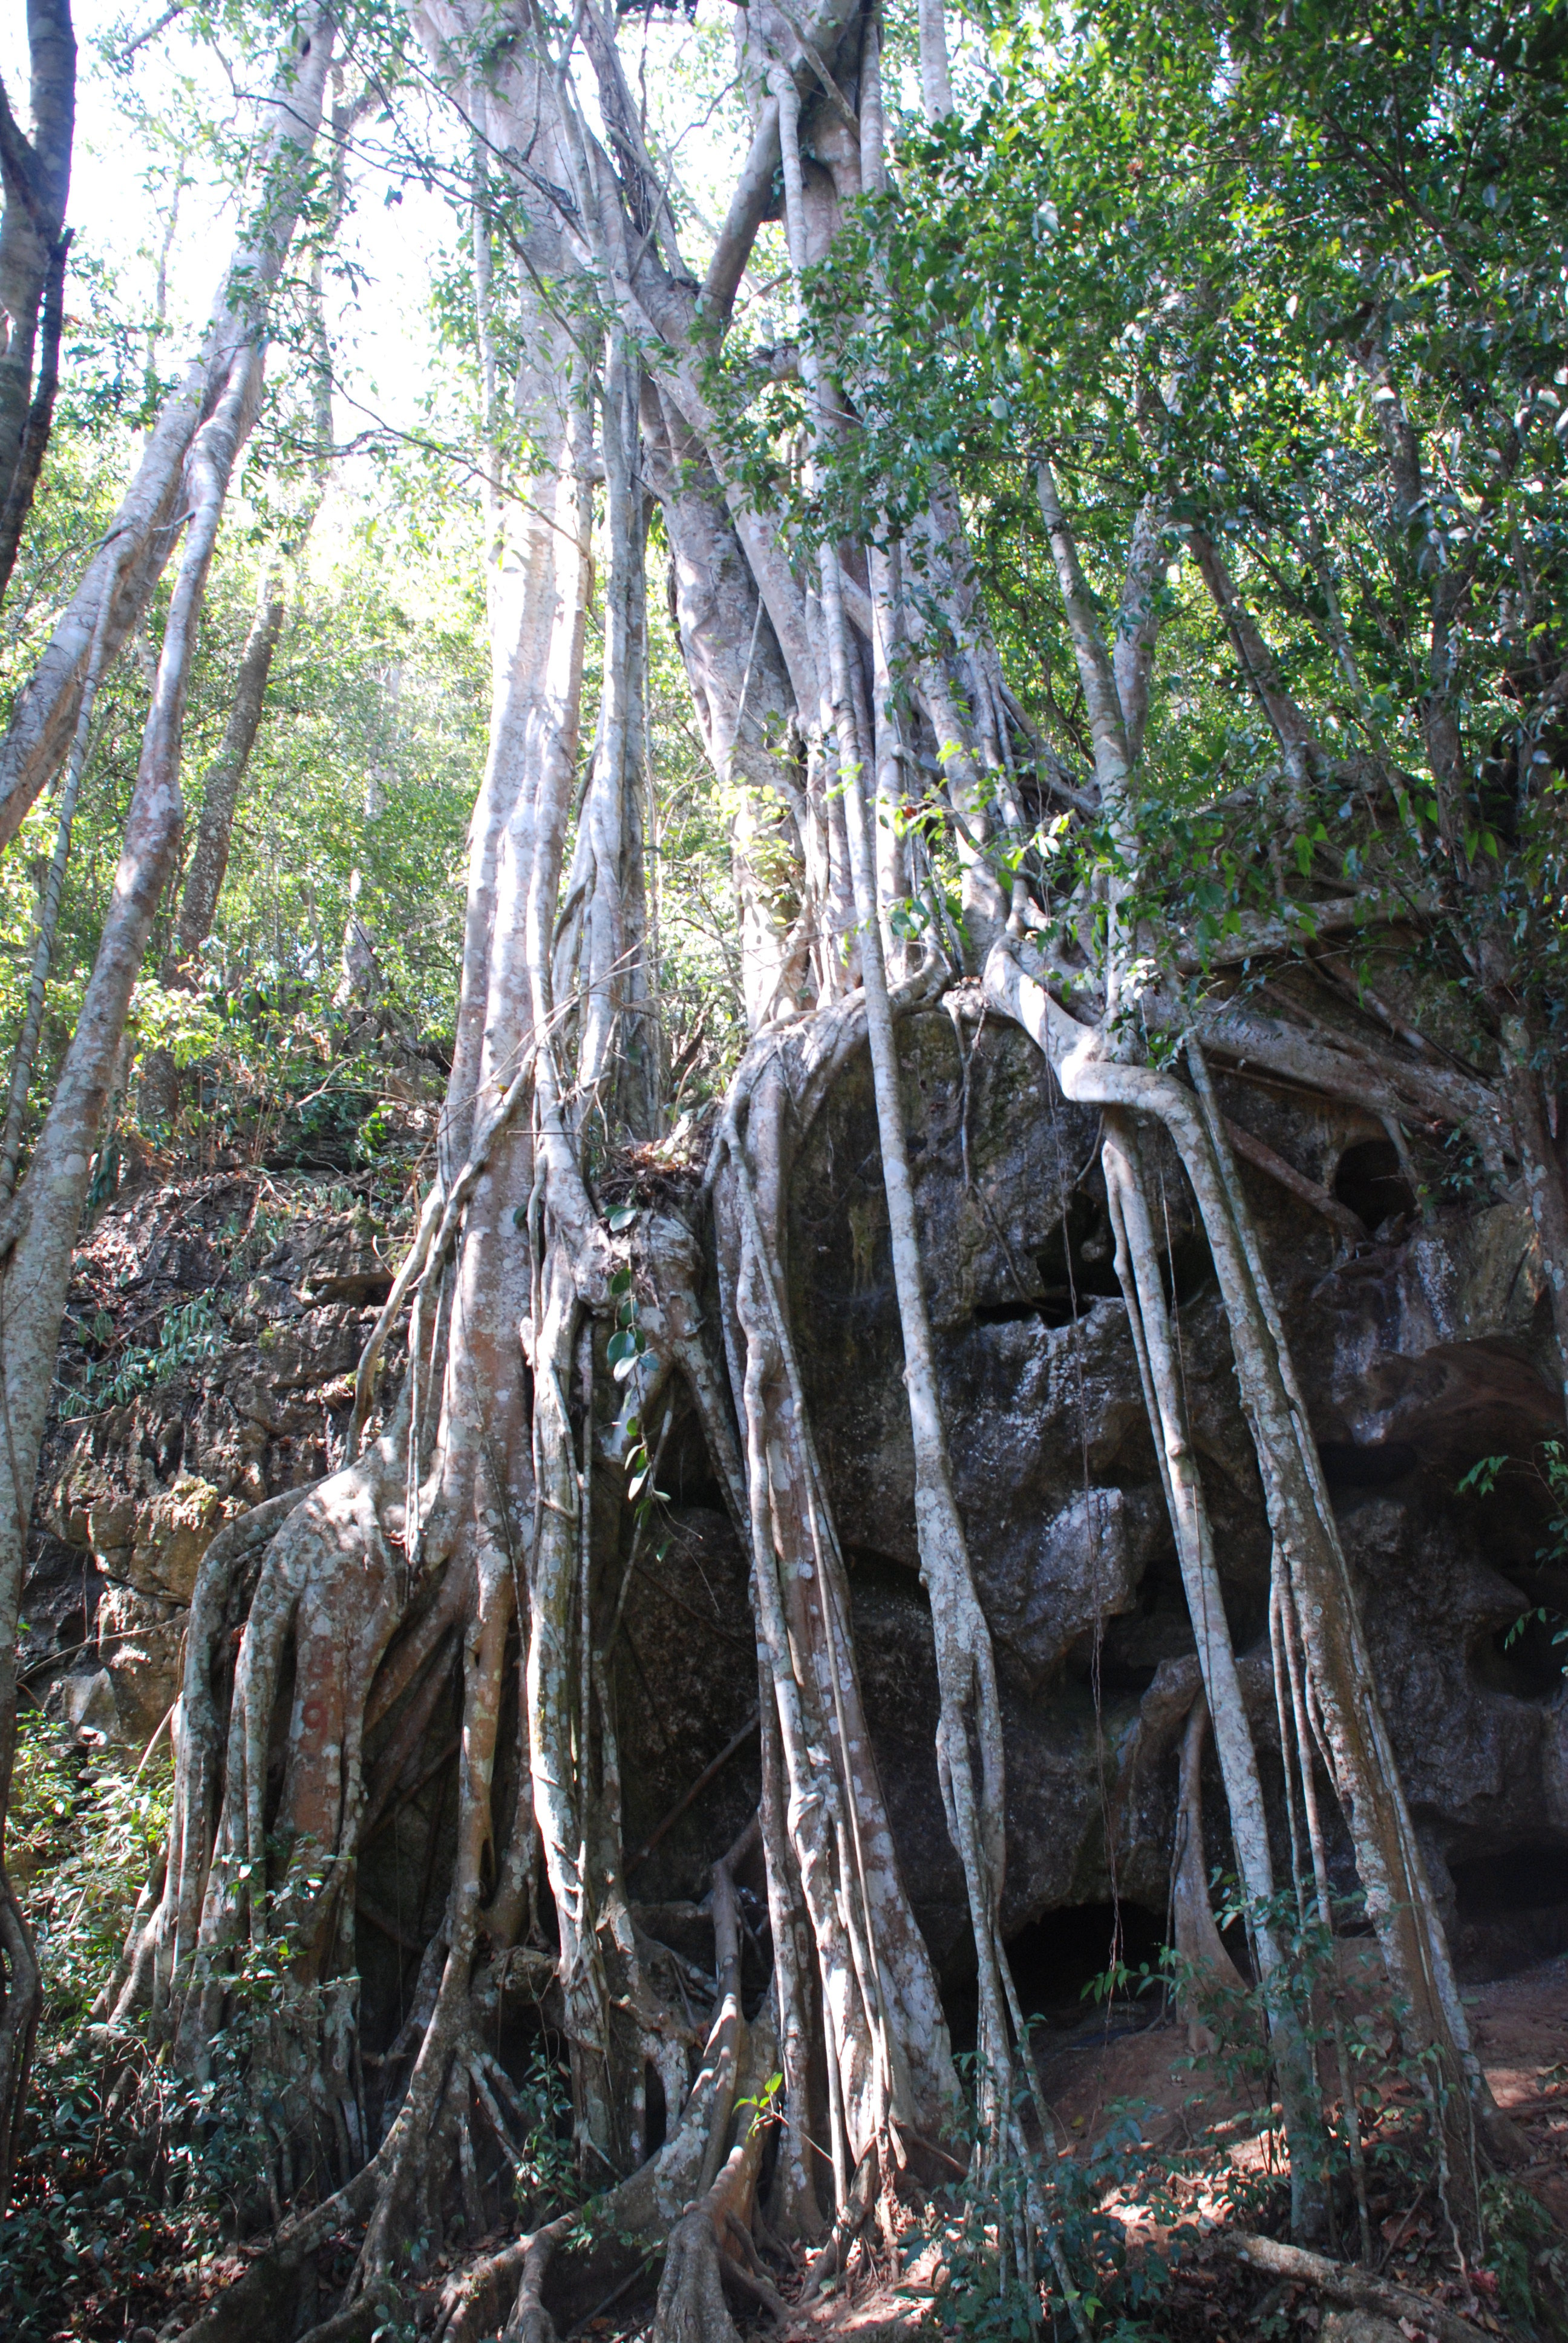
131	126
141	128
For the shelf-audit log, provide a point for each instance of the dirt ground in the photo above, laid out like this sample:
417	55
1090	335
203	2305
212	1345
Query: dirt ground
1519	2026
1118	2058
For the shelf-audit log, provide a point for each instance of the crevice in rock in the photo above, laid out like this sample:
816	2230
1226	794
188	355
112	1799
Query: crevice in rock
1349	1465
1370	1179
1512	1909
1059	1958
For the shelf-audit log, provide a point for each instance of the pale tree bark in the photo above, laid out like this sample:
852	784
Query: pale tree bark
497	1456
42	1218
744	705
484	1475
1097	1066
1115	688
36	170
1142	1273
935	81
464	1525
160	1081
1389	1861
225	778
970	1721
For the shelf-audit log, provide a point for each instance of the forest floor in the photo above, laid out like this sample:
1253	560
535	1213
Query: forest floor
1118	2069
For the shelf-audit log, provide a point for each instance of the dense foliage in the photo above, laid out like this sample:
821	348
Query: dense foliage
1292	281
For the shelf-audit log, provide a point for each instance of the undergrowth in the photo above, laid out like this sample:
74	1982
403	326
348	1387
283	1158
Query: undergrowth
133	2180
108	2212
193	1331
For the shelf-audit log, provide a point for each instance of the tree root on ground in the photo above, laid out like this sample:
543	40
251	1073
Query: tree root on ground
1359	2289
701	2256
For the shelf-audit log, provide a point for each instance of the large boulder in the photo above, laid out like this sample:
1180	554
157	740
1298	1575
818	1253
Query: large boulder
1421	1351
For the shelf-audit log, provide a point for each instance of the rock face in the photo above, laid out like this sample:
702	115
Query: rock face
1423	1350
1421	1355
219	1325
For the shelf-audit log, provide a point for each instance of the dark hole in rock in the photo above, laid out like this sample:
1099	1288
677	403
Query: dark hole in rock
1188	1268
1134	1643
1055	1957
685	1474
1052	1310
1121	1664
1524	1659
1118	1675
1085	1239
1007	1313
71	1630
1076	1268
1370	1181
1513	1909
1348	1465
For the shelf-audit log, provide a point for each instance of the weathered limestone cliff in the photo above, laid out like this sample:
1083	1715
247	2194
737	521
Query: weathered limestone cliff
1420	1339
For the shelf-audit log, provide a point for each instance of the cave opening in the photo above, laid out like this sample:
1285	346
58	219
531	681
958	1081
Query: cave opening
1350	1467
1371	1179
1058	1959
1512	1909
1076	1267
687	1473
1077	1263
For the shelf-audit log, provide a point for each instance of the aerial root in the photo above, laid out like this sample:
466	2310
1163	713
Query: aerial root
701	2256
1359	2289
833	2256
472	2301
531	2322
692	2306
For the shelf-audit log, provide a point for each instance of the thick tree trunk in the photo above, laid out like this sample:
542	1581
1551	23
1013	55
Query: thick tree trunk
36	174
18	499
471	1525
41	1219
970	1720
40	1223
